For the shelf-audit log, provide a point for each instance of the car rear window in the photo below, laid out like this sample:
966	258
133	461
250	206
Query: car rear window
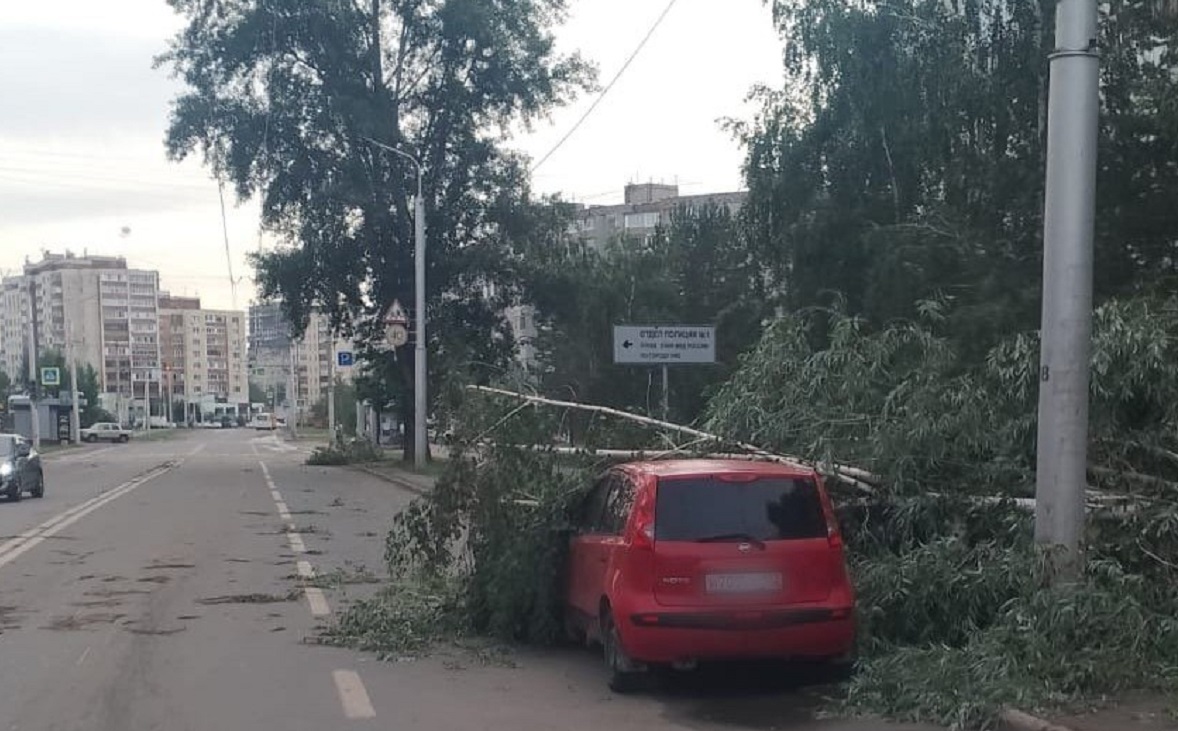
767	509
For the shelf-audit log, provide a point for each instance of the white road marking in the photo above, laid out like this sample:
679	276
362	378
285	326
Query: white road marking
283	511
16	547
82	659
296	543
317	601
305	570
353	696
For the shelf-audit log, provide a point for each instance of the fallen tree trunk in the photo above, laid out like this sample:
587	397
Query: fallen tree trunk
862	479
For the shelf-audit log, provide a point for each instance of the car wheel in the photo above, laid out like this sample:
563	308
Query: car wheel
123	438
15	491
39	490
91	438
624	675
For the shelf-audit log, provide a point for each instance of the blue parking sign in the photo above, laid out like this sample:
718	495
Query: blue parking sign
346	359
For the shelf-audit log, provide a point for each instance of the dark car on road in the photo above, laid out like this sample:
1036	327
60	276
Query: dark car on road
702	560
20	468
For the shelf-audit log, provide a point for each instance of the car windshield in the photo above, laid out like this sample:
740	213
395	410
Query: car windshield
766	509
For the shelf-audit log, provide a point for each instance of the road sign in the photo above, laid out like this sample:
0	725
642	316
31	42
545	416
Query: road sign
50	376
346	359
396	326
664	344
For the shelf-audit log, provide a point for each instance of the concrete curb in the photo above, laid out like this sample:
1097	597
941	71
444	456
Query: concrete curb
1015	720
401	483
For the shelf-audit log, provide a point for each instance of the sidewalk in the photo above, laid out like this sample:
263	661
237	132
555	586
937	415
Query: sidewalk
391	471
1136	713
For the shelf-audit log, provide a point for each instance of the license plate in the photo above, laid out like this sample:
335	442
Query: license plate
742	583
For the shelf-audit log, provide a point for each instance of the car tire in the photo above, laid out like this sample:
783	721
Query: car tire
123	439
91	438
15	492
624	676
39	490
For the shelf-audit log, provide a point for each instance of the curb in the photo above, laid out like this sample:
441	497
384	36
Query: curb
1014	720
401	483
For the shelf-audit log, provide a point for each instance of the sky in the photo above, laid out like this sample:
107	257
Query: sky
83	115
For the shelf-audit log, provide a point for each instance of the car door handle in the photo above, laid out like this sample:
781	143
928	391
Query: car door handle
602	559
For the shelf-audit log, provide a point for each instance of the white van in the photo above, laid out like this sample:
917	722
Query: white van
264	422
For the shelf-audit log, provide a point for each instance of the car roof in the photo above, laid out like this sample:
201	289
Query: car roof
696	467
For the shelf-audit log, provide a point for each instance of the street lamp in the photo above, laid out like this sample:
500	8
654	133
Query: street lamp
419	353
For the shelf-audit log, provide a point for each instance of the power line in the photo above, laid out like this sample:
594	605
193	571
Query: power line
642	44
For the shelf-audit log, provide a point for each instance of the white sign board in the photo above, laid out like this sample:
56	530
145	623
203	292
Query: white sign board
664	344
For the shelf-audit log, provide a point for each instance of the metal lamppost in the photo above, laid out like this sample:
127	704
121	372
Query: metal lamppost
419	352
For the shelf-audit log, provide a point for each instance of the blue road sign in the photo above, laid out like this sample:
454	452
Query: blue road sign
346	359
50	376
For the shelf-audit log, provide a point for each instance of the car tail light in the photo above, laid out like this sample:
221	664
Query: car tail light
833	535
643	536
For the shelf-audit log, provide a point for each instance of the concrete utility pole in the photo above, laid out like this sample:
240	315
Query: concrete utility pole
33	376
331	394
420	379
1069	220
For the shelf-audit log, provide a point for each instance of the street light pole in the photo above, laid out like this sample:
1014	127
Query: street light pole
1069	220
420	380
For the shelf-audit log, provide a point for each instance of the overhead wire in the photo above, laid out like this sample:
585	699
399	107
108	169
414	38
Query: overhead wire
613	82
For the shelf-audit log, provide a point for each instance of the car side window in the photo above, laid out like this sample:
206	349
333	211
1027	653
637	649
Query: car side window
589	520
617	505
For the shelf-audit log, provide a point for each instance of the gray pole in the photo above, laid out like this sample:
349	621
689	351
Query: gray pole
331	394
34	380
419	354
666	394
1073	112
420	380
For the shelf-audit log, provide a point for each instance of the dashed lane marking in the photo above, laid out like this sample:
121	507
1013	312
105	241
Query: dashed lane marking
353	696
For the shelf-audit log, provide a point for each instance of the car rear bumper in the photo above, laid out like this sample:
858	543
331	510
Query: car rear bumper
798	633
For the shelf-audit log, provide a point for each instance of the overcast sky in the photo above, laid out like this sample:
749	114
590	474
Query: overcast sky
82	119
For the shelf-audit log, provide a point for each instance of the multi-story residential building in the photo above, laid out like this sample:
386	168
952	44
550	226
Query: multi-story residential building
304	367
204	354
646	206
92	309
14	318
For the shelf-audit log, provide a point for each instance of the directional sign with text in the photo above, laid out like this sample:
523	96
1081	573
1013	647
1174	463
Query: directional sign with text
347	359
664	344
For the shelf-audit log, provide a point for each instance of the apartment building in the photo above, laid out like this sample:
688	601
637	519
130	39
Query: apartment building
14	318
204	354
90	308
304	367
646	206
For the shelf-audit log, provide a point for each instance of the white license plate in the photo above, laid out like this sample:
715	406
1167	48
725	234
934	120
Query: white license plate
742	583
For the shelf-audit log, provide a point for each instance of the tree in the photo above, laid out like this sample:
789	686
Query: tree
905	162
696	269
88	385
5	384
283	97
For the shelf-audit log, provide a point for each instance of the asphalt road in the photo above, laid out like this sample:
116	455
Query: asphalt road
158	585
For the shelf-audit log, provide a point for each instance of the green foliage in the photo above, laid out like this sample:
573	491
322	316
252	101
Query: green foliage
282	98
904	160
696	269
353	451
903	402
1041	650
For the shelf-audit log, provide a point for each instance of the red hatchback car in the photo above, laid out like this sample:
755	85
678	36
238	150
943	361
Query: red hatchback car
680	561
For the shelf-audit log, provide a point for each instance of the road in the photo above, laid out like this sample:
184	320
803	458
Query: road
157	586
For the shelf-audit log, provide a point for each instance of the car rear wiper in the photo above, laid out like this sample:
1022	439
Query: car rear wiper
733	537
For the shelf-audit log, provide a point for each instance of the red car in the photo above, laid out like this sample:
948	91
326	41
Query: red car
680	561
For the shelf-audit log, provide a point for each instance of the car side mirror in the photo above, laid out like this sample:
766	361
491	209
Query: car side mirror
23	450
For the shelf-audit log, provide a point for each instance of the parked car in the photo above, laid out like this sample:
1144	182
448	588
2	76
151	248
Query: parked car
676	562
106	432
20	468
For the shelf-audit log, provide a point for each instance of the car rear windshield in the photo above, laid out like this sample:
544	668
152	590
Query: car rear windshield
766	509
